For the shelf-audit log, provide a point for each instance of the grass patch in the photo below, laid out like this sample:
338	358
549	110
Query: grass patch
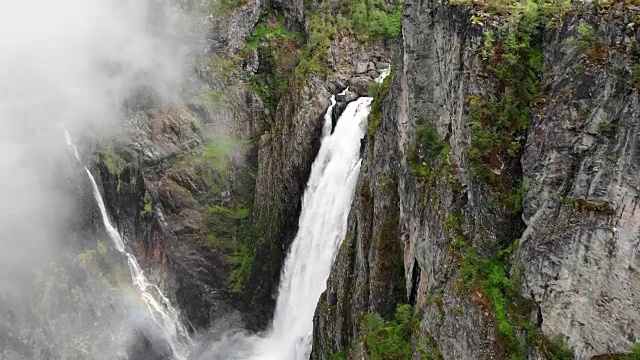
224	7
219	152
322	30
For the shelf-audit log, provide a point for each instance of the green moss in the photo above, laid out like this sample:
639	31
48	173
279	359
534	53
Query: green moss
635	353
499	121
606	128
147	207
269	29
226	6
228	233
218	153
427	155
112	162
322	30
559	351
278	50
213	99
242	260
510	202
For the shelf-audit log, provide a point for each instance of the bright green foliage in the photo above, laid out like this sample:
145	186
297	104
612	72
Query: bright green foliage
635	353
270	31
586	39
223	227
227	229
226	6
389	340
500	121
509	201
242	259
278	49
242	212
338	356
114	164
490	276
147	207
376	19
559	351
321	30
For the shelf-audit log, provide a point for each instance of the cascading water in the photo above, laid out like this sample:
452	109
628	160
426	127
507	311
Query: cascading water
322	227
164	315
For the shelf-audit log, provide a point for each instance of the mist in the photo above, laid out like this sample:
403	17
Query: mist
76	63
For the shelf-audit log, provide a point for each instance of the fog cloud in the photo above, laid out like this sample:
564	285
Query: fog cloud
71	62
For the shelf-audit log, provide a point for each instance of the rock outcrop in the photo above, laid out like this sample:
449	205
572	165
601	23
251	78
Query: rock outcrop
505	155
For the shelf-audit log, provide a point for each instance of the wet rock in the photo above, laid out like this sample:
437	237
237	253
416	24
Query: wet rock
360	85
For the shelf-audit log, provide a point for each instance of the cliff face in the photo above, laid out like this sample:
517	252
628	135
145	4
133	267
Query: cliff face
208	190
581	175
497	193
504	172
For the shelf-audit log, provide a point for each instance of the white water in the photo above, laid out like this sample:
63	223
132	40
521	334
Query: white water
322	227
164	315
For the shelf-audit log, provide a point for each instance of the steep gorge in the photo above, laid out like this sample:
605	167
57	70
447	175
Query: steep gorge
493	218
465	198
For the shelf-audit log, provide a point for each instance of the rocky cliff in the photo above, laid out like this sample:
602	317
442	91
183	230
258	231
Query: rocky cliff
494	213
498	187
208	189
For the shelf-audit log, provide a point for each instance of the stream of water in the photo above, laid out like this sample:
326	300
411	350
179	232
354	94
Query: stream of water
160	308
322	227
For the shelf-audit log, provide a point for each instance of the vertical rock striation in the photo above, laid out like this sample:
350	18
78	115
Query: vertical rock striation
512	185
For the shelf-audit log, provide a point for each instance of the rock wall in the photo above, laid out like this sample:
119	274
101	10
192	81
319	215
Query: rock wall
525	251
581	175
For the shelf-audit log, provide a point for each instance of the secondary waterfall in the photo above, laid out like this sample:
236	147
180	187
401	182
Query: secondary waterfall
322	227
159	306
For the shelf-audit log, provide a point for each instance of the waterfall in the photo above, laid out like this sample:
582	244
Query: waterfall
322	228
160	309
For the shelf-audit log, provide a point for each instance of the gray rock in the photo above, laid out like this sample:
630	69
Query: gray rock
360	85
347	97
578	228
362	67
